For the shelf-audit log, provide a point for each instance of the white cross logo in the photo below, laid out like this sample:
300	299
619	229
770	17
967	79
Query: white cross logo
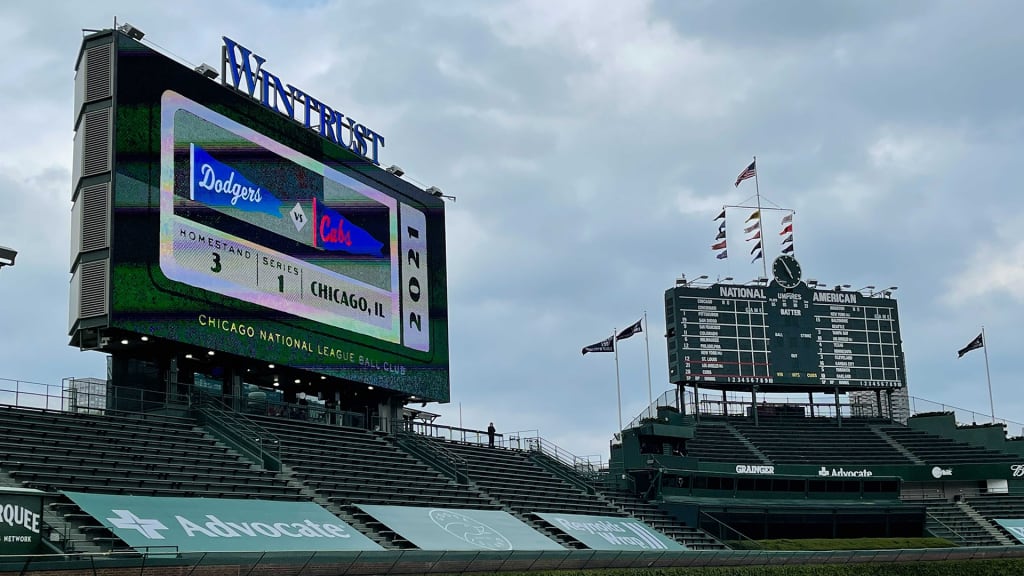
147	526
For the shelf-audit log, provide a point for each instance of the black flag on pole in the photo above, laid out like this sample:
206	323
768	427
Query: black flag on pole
978	342
606	345
636	328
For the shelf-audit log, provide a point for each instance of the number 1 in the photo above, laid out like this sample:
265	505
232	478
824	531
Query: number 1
280	283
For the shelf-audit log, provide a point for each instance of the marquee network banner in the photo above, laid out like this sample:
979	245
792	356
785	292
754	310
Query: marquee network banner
20	521
222	525
460	529
611	532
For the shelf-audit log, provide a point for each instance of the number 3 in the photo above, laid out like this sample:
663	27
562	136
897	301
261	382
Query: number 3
216	263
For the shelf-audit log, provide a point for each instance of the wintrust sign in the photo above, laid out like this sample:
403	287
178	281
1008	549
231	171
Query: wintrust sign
243	70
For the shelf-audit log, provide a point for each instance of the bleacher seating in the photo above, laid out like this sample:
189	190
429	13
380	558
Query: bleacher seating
349	466
999	506
715	441
655	517
523	485
122	454
820	441
941	451
153	456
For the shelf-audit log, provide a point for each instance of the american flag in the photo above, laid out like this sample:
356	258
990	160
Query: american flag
750	172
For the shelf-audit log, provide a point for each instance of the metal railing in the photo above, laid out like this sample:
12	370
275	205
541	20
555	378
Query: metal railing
254	441
457	562
444	460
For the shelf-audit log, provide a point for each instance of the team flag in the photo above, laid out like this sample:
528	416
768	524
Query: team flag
756	247
978	342
719	246
788	239
721	235
606	345
755	236
755	215
787	230
787	218
752	227
721	226
788	249
636	328
758	257
723	255
749	172
720	216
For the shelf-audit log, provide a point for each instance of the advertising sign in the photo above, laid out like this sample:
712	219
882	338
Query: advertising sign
460	529
222	525
20	521
610	532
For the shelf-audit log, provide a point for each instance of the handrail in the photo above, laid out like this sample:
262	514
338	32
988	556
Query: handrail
720	523
959	536
258	443
583	465
558	468
449	463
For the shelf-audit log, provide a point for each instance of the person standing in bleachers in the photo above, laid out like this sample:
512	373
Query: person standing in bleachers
490	435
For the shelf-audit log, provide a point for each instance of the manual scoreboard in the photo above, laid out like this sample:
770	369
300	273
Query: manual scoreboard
734	336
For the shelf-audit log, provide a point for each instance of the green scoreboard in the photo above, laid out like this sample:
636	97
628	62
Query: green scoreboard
734	336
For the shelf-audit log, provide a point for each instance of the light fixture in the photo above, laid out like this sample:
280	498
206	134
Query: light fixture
124	341
396	170
369	387
840	287
7	256
870	289
144	338
323	377
412	397
271	366
276	383
211	353
132	32
207	71
298	380
188	356
434	191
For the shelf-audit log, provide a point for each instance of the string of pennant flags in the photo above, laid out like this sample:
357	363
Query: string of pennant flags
752	226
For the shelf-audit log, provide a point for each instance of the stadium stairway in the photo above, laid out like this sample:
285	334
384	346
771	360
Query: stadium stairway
121	453
343	467
526	486
954	522
989	507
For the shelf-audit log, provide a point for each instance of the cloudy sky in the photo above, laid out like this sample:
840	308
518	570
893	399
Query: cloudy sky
590	145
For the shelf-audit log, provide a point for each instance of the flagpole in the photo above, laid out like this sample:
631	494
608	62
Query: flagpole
988	376
647	343
757	190
618	387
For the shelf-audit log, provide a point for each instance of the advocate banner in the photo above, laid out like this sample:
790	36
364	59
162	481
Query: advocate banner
459	529
222	525
610	532
20	520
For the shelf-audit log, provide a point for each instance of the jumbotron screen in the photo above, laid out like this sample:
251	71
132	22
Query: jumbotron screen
238	230
732	336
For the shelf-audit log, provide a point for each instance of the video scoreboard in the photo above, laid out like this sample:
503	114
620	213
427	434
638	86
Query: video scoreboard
734	336
235	228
